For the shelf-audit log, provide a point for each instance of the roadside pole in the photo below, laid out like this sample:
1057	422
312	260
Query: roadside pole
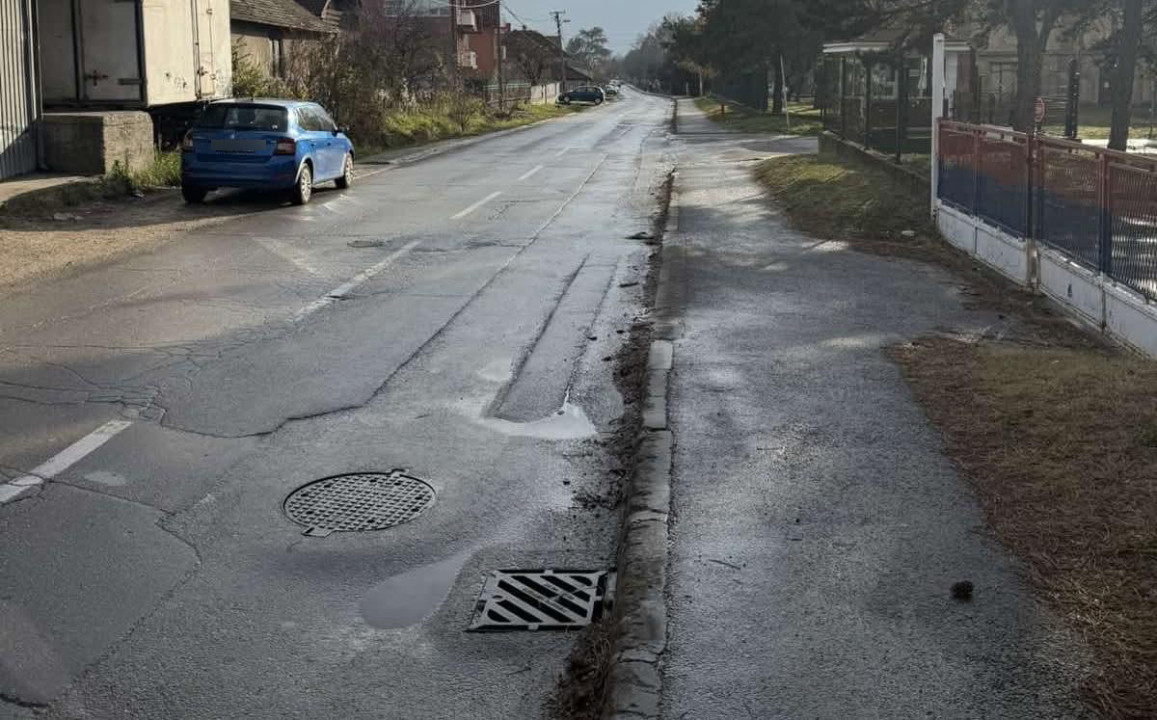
937	113
501	63
558	21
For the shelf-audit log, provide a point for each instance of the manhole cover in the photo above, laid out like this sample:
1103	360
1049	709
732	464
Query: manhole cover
540	600
359	502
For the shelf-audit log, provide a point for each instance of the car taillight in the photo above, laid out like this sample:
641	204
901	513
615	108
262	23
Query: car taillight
286	146
187	143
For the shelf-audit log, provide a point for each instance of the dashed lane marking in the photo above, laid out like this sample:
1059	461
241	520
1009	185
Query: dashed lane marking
63	460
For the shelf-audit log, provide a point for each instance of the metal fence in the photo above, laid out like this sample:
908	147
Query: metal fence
1096	206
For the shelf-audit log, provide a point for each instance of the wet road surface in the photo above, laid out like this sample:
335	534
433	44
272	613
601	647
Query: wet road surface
450	317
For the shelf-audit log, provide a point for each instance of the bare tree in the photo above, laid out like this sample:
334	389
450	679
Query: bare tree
533	56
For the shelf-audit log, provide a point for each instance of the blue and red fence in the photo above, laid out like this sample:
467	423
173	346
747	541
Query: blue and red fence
1096	206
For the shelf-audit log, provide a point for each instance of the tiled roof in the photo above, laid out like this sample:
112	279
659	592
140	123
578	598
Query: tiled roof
277	13
315	7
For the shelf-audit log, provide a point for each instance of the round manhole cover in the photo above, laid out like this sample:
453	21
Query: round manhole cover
358	502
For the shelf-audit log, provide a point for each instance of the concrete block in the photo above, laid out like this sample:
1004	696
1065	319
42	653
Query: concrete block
1004	253
1129	318
957	228
92	143
1071	285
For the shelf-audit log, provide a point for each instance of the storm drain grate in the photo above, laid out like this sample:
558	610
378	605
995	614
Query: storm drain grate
358	502
540	600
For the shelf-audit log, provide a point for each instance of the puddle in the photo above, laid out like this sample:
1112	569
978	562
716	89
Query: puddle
569	423
409	598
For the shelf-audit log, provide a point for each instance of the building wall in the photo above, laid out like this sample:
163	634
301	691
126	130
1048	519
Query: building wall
272	50
19	104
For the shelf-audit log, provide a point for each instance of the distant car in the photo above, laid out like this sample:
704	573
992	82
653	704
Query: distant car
588	93
264	144
611	91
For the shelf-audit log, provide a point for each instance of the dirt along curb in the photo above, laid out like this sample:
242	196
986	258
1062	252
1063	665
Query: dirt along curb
639	633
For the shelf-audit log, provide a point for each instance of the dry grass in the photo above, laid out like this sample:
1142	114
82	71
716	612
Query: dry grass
1056	431
801	118
1061	447
580	691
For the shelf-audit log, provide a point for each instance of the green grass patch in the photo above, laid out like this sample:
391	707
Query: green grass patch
831	199
801	118
164	172
424	124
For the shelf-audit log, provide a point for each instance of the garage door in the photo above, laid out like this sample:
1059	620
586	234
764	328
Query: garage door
17	99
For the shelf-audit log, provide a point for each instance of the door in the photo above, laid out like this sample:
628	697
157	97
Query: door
314	120
334	149
110	61
205	42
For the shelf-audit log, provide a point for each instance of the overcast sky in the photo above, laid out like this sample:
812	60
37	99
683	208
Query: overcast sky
624	20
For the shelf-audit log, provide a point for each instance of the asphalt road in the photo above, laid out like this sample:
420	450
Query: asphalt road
451	317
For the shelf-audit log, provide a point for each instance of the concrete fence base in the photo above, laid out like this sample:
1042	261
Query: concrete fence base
1119	312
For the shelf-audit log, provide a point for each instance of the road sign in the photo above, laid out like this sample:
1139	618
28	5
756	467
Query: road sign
1040	110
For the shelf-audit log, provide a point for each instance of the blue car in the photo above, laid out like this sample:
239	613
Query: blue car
264	144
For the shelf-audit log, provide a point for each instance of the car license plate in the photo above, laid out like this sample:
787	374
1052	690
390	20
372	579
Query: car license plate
238	146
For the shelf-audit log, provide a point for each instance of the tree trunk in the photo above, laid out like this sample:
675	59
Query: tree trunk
777	91
1028	63
1122	90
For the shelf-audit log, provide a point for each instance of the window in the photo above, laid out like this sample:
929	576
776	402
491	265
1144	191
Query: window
323	119
308	120
237	116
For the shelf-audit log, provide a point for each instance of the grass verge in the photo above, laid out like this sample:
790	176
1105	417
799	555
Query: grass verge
426	124
1055	431
801	118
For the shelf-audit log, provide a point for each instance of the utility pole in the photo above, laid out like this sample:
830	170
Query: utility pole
501	63
453	74
558	21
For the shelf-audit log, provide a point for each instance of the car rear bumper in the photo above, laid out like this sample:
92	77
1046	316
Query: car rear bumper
275	173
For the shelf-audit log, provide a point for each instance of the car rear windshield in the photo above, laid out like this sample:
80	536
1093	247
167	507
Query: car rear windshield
244	117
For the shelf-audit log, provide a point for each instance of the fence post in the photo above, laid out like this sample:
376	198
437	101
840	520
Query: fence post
901	106
977	167
843	91
1105	221
868	104
1030	150
937	113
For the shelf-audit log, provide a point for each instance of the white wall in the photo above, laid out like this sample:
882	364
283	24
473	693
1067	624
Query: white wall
1119	312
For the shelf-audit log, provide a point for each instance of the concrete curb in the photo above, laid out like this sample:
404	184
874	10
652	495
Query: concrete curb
635	681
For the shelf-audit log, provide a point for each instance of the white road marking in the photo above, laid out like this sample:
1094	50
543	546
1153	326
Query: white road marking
287	252
531	173
562	152
476	205
63	460
350	285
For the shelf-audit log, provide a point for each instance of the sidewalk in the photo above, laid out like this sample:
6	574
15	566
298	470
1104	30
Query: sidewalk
817	528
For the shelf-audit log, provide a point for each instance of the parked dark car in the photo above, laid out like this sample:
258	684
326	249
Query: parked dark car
264	144
588	94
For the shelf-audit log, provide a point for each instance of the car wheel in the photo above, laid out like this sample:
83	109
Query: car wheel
194	195
303	189
598	101
347	173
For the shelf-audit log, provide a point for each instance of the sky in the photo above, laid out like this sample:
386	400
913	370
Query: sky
624	20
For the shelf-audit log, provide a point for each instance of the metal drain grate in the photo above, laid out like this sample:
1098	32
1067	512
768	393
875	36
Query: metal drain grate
359	502
540	600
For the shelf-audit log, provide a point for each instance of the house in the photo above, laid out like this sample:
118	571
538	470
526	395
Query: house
535	58
271	33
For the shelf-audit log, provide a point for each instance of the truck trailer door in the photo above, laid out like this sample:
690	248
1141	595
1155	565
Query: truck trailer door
109	50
